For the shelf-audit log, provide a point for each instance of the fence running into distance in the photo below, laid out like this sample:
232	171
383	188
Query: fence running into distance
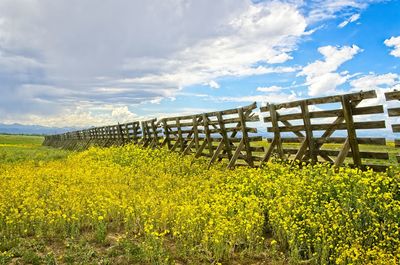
326	129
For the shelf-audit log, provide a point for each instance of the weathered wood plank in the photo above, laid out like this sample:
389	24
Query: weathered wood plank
289	125
323	100
343	153
120	134
257	149
216	153
351	130
277	142
236	120
236	154
232	140
301	151
233	111
392	95
214	113
233	129
348	153
309	132
167	140
200	149
189	147
396	128
335	140
329	113
394	112
323	127
245	137
195	132
180	136
360	140
207	133
225	139
213	131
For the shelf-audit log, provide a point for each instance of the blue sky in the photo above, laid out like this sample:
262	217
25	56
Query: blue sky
84	63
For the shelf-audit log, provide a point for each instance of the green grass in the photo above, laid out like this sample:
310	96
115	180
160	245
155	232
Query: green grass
18	148
13	139
389	148
88	248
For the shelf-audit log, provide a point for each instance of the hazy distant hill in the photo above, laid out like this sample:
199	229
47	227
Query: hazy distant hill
37	129
32	129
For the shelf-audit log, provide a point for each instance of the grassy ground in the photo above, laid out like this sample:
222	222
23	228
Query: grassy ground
18	148
389	148
89	247
58	207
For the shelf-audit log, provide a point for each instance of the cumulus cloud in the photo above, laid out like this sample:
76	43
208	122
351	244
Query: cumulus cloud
270	89
70	56
79	116
351	19
374	81
321	75
381	83
213	84
395	43
122	114
279	58
326	9
129	52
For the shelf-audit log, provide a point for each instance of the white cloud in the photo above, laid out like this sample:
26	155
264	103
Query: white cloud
321	77
17	63
325	84
270	89
374	81
68	57
327	9
122	114
262	33
213	84
351	19
156	100
128	52
395	43
381	83
279	58
81	116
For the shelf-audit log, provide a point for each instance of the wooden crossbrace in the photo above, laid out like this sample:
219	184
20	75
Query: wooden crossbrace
241	125
308	148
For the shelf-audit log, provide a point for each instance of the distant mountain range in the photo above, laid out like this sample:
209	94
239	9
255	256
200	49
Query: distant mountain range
37	129
33	129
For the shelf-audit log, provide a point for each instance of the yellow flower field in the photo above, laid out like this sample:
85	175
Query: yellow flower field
140	206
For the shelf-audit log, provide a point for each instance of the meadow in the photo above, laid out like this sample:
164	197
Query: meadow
128	205
19	148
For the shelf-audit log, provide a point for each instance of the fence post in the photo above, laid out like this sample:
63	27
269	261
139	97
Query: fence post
308	130
351	132
245	137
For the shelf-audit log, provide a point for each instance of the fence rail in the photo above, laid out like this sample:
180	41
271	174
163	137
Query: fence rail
345	108
394	112
325	129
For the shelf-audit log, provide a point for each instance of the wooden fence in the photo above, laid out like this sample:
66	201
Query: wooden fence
394	112
327	129
217	135
324	122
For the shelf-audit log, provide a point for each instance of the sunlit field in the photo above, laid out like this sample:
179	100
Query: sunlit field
127	205
18	148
